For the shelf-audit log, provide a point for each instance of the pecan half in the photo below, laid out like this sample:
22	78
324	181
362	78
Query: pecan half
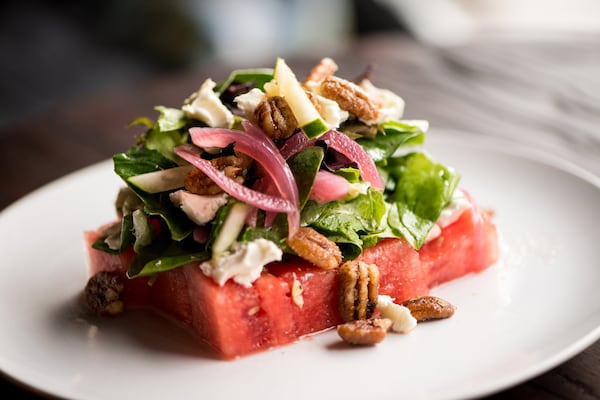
424	308
233	166
364	331
316	248
103	293
350	97
325	68
358	290
275	117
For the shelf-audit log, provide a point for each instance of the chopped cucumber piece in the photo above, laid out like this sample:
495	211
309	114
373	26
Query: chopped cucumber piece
315	128
292	91
160	181
233	225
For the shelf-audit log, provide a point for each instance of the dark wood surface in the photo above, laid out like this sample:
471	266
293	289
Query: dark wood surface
543	93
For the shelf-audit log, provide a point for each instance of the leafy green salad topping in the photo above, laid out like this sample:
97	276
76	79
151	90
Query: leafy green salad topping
166	234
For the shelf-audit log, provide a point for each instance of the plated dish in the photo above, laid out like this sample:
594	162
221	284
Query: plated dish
536	308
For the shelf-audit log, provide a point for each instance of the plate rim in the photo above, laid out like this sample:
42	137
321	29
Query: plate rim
516	150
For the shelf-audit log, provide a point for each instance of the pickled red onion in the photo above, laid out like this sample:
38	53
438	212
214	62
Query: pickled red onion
255	143
295	144
249	196
351	149
329	187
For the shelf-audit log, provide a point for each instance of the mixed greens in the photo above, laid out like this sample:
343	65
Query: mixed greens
404	200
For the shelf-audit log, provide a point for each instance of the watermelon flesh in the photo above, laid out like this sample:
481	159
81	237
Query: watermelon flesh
235	321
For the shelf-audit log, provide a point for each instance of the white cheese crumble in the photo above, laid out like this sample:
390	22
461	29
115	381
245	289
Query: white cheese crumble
248	101
297	292
402	319
243	263
206	106
458	204
450	214
199	208
331	112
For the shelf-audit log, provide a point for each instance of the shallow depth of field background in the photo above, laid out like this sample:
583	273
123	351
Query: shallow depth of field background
58	51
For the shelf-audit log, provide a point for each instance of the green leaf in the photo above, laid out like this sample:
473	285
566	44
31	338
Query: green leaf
304	166
166	263
392	136
347	221
170	130
276	234
423	188
165	141
147	122
170	119
352	175
257	76
140	160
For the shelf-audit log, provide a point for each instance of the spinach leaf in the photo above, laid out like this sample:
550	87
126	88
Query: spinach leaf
257	76
304	166
164	263
392	136
140	160
422	189
170	119
169	131
347	222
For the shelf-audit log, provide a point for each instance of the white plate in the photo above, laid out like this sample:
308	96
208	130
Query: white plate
535	309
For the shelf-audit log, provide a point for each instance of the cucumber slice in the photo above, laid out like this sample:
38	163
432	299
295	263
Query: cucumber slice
291	90
160	181
233	225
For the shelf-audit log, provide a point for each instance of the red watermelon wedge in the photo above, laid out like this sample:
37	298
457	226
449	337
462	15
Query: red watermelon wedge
234	321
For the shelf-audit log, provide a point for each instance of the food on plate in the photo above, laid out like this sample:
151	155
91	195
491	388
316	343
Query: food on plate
266	208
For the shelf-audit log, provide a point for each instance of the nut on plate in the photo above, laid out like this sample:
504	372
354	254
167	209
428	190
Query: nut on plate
104	292
425	308
358	290
364	331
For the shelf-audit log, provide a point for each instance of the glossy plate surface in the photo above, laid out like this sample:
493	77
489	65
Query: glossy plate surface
537	307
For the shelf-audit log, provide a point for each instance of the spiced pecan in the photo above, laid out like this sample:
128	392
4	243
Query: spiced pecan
103	293
316	248
233	166
424	308
364	331
325	68
275	117
358	290
350	97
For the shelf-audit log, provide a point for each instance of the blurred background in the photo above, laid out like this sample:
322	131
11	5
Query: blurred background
57	51
73	73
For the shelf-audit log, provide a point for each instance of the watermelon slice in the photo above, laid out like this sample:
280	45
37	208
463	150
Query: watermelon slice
235	321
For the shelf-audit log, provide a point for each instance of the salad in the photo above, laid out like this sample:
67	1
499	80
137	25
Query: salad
246	165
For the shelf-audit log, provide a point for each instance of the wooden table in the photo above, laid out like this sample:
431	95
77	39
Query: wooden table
544	94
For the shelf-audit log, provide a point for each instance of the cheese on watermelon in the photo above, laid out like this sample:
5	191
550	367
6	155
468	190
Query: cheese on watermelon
233	320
